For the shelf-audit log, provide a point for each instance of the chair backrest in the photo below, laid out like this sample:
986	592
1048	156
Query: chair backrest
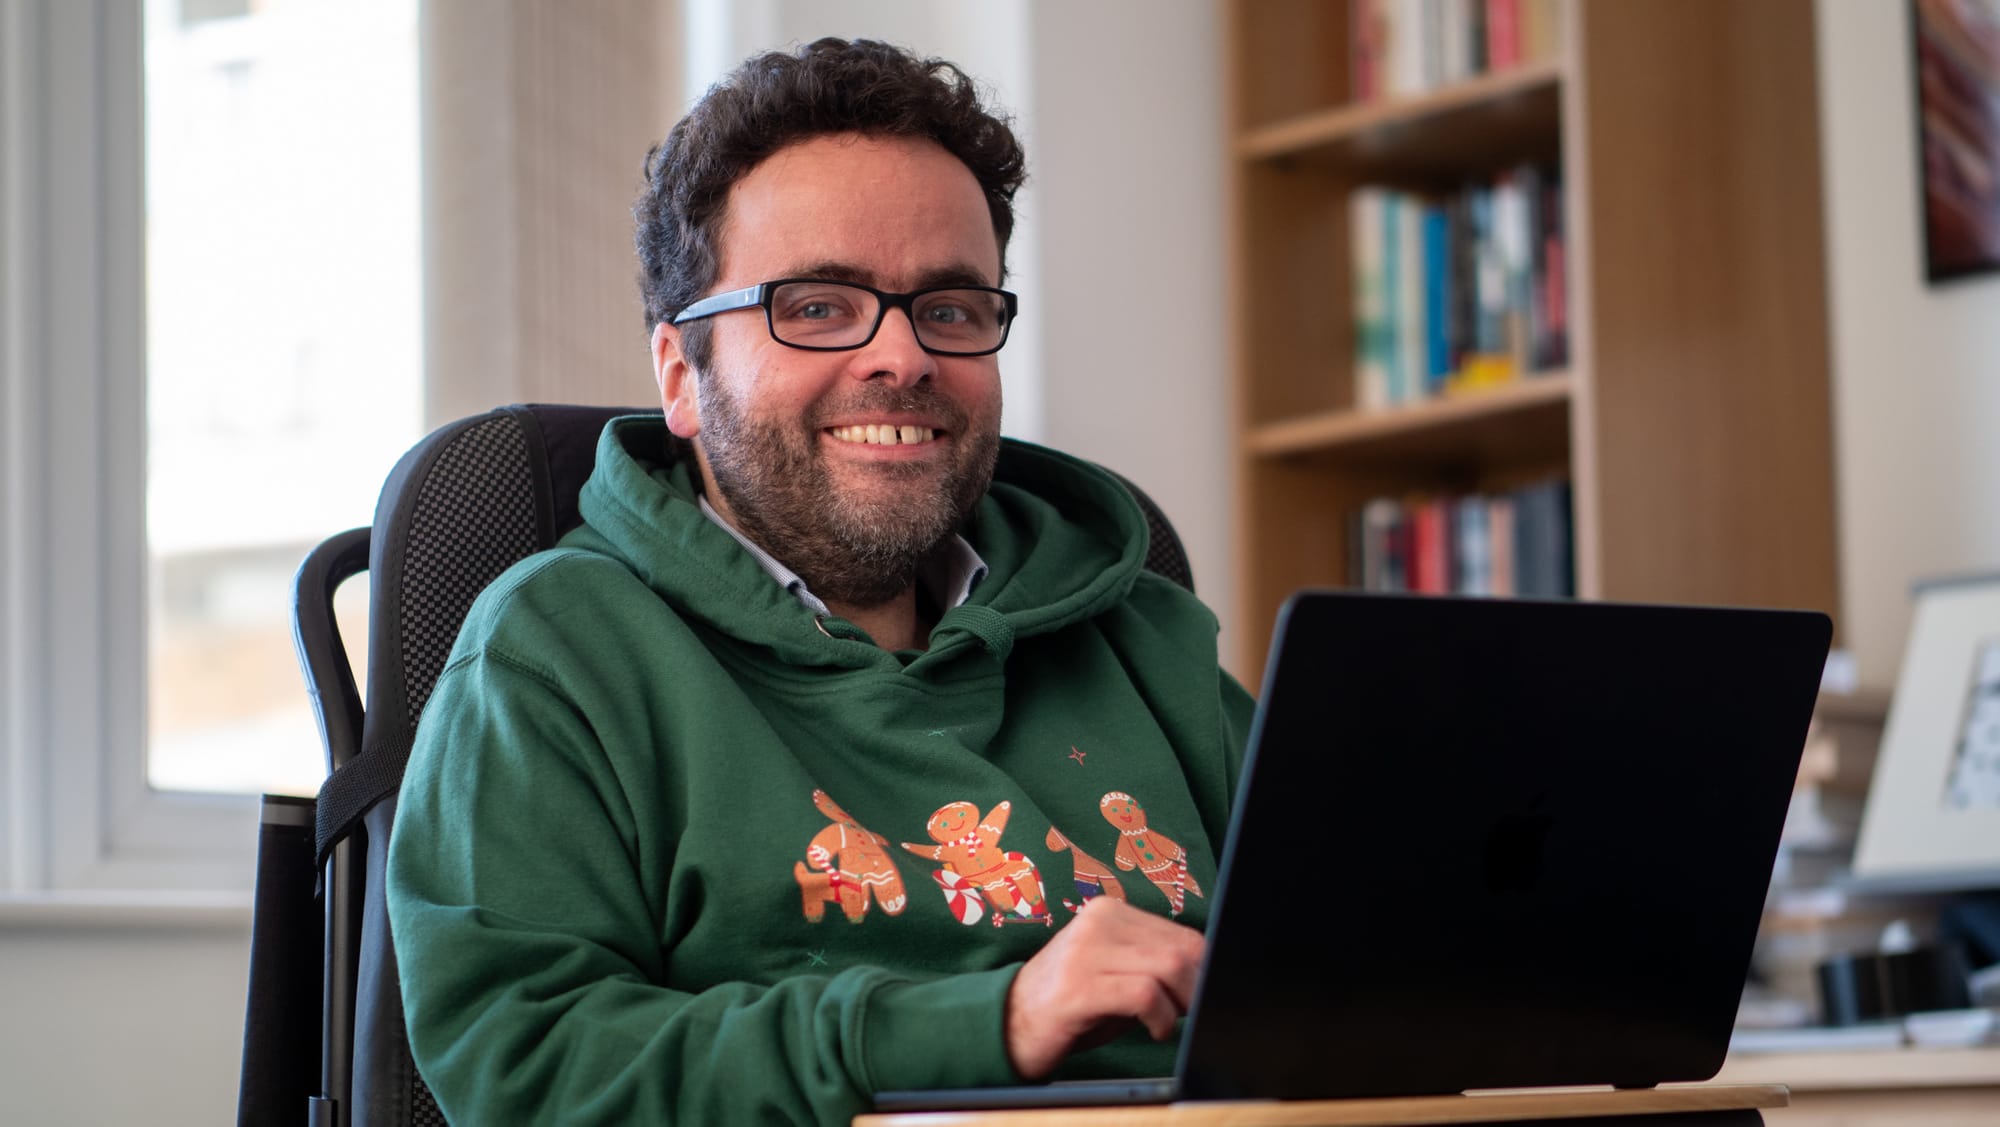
461	506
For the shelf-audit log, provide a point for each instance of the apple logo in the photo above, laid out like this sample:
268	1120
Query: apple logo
1514	848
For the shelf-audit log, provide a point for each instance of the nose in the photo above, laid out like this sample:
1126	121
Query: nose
895	354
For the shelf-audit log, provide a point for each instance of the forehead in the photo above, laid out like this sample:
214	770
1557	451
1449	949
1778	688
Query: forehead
897	212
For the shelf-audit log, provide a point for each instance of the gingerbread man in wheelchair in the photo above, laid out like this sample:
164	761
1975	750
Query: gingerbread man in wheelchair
975	868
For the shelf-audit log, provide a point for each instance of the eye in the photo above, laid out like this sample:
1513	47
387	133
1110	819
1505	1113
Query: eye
817	303
959	309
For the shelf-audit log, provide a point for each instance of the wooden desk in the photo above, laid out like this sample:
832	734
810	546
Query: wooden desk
1499	1107
1900	1087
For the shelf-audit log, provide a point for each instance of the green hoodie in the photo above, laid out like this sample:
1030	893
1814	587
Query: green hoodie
670	850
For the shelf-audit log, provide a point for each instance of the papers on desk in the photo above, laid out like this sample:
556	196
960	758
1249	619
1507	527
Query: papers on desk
1943	1029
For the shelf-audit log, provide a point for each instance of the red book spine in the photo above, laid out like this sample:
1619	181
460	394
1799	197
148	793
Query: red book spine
1365	46
1503	33
1432	549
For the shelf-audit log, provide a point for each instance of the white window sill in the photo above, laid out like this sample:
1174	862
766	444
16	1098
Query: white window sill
193	911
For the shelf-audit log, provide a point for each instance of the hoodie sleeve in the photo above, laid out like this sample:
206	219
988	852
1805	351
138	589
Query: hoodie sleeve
533	967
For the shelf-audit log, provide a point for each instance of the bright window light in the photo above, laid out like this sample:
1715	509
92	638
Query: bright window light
284	352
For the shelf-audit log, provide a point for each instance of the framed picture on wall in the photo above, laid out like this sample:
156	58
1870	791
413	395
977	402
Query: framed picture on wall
1957	71
1932	819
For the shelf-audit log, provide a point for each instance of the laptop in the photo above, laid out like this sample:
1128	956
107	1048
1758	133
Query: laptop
1486	843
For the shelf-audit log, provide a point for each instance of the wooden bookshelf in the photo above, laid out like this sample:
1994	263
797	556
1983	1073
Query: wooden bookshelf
1693	418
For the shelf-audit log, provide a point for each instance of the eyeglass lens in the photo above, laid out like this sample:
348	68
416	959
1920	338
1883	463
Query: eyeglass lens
832	315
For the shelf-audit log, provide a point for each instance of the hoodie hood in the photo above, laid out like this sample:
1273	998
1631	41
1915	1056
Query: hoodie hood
1062	541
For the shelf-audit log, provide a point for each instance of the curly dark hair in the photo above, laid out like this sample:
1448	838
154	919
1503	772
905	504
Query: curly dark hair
775	99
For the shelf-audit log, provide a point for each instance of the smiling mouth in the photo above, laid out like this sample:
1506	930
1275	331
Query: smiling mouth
881	434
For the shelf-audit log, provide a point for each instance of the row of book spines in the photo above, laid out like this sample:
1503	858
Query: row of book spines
1404	47
1519	543
1457	293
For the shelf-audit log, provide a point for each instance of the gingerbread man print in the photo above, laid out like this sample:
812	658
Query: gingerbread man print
850	866
1157	857
975	869
1093	877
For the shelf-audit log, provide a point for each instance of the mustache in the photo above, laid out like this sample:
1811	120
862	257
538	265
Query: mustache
922	399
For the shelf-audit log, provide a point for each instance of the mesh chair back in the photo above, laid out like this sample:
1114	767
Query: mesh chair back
460	508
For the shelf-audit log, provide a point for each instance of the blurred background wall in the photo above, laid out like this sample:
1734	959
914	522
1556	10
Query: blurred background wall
1916	369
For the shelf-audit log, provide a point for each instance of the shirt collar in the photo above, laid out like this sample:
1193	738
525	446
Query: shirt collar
948	577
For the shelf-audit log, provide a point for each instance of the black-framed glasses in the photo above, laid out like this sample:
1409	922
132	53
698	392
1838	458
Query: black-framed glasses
823	316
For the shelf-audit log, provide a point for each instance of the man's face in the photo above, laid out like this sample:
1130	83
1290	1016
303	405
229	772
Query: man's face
786	437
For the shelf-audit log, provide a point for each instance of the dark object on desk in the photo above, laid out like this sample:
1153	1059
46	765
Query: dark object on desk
1874	987
1490	843
1972	921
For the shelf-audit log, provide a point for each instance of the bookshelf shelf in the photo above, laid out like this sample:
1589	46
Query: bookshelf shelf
1529	417
1479	123
1691	419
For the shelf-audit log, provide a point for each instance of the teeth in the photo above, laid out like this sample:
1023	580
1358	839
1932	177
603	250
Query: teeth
878	434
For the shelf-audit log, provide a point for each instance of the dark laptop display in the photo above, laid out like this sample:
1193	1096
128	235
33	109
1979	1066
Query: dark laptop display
1490	843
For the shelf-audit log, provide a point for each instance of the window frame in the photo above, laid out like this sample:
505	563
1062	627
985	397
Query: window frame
76	811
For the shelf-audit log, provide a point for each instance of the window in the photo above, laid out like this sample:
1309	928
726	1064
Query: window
283	352
160	168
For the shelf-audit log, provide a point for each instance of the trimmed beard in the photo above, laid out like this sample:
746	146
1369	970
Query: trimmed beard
856	551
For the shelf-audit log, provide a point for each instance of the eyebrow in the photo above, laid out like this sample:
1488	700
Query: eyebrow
954	274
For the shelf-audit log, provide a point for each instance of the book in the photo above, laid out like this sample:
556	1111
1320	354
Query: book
1456	292
1551	291
1503	33
1431	547
1472	559
1365	53
1540	30
1411	378
1366	223
1401	48
1498	544
1543	568
1437	286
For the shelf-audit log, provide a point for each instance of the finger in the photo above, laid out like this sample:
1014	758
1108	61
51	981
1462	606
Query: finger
1174	961
1158	1014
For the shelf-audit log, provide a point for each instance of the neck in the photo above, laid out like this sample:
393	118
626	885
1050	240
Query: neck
894	625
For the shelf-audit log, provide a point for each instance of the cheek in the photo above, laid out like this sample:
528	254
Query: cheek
769	382
976	385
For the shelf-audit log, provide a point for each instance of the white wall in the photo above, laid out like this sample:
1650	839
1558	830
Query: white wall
1128	127
1916	367
121	1022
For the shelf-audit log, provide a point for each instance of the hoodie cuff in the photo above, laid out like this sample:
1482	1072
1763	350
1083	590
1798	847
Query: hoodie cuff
947	1033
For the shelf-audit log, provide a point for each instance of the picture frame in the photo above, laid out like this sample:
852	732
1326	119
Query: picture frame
1956	71
1932	818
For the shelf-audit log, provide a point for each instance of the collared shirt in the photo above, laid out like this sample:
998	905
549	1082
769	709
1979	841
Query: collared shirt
948	577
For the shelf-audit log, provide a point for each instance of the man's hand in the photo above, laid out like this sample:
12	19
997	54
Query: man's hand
1113	965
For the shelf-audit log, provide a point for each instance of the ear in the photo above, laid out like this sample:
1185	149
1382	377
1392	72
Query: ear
676	379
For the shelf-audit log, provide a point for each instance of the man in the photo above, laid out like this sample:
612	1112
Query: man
846	746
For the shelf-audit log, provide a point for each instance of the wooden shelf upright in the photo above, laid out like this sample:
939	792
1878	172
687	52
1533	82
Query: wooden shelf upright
1693	418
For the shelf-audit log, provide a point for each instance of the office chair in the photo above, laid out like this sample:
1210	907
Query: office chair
324	1028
